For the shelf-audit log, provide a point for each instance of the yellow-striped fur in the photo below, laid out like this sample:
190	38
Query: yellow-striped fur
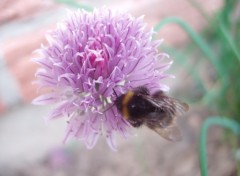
125	102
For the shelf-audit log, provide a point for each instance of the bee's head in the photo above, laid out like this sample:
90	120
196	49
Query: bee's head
118	101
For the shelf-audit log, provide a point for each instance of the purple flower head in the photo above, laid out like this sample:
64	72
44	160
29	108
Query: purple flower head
88	57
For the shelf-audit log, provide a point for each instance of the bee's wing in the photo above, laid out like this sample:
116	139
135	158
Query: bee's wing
164	124
180	106
164	120
171	133
171	105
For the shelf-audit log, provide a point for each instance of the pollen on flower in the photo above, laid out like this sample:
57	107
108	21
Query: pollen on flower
88	57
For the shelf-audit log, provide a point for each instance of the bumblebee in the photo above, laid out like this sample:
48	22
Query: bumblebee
157	111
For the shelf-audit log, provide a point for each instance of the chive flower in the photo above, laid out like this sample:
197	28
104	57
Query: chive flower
88	59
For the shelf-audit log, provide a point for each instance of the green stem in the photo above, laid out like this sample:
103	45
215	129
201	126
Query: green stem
229	40
195	37
75	4
198	6
211	121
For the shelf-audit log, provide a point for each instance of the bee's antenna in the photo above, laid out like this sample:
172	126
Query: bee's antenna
115	93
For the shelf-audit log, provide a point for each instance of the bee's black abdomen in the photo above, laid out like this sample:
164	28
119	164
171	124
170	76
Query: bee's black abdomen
138	107
118	103
134	105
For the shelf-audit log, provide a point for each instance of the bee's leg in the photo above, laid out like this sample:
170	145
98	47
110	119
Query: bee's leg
135	123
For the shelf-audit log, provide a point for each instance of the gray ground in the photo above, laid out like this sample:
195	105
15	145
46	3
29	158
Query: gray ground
28	147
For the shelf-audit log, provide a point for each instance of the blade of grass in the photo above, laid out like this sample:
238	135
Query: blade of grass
75	4
197	5
211	121
229	40
182	61
196	39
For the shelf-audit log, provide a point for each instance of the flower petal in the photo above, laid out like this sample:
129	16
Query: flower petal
46	99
